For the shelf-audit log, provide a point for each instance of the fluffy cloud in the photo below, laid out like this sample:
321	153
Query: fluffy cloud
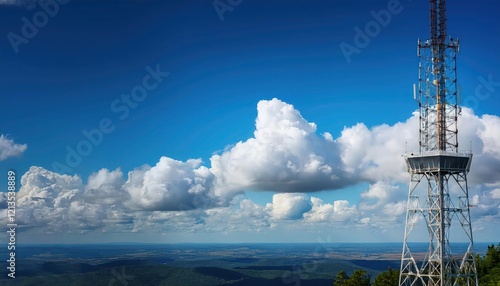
55	202
339	211
149	197
42	187
10	149
105	187
489	134
288	206
285	155
482	134
485	201
379	195
376	154
241	215
495	194
171	185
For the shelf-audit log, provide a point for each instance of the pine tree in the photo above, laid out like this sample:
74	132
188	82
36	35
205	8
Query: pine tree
358	278
488	267
387	278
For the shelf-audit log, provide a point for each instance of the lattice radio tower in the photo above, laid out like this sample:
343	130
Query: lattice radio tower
438	192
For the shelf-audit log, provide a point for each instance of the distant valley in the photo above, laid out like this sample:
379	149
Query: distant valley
200	264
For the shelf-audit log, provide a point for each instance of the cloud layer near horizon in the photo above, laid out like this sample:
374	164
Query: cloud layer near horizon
285	155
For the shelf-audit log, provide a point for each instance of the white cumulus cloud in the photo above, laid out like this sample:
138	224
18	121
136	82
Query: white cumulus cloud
171	185
375	154
288	206
54	201
8	148
105	187
380	194
339	211
285	155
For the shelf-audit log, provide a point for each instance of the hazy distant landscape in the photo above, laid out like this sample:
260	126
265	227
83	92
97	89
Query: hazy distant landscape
202	264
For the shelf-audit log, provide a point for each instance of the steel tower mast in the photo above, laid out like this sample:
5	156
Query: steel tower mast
438	191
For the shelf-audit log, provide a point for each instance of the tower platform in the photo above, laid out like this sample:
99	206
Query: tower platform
438	161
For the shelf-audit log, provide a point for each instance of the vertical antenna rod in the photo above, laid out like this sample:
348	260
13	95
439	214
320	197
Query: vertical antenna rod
438	46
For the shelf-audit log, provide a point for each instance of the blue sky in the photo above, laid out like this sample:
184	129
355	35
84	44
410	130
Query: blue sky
72	73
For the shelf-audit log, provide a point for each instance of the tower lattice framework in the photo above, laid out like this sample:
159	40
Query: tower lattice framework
438	193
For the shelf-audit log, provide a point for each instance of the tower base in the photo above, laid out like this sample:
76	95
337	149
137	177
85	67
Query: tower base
432	175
